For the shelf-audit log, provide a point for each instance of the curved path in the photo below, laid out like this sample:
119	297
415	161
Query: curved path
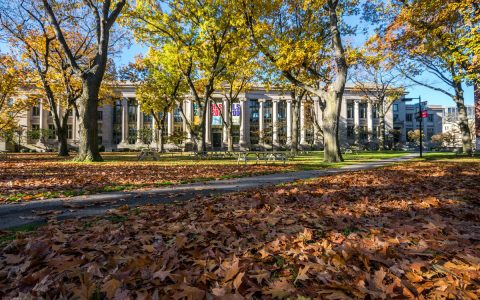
13	215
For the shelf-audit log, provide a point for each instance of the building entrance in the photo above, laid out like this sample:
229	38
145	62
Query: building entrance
216	140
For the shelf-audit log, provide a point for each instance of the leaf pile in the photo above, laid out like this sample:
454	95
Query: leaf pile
40	176
406	231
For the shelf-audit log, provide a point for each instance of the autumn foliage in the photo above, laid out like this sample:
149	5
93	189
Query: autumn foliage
406	231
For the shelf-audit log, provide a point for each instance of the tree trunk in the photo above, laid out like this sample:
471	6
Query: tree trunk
229	137
88	106
330	128
463	119
381	138
62	134
160	139
203	126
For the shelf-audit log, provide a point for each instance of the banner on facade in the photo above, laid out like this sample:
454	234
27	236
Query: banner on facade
236	114
216	114
196	114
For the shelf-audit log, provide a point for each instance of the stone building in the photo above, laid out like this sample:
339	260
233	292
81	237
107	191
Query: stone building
261	119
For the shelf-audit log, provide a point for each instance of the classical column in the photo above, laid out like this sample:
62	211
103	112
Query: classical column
303	130
208	123
289	122
369	120
124	121
244	130
154	131
261	125
316	120
43	116
170	123
356	119
275	123
226	116
139	124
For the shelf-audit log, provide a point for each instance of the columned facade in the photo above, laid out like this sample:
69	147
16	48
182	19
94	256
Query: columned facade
261	119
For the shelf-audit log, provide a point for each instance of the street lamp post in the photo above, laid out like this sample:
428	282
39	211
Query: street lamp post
420	117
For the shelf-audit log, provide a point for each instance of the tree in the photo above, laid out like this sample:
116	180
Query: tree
89	17
242	67
380	83
160	87
436	38
31	37
303	40
13	78
414	136
195	35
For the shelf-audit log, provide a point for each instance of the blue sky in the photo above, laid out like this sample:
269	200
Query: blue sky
433	97
429	95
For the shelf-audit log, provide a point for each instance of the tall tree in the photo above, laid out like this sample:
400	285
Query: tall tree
160	88
31	38
13	76
439	40
196	35
88	17
241	70
380	83
303	39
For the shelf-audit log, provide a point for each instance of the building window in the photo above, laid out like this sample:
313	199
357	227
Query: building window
51	132
117	122
36	110
395	107
132	110
350	132
254	106
395	117
409	117
362	110
350	110
35	127
147	118
281	122
430	132
267	122
99	115
375	108
69	132
430	117
99	140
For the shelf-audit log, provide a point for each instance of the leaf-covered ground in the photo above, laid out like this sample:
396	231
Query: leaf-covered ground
29	177
406	231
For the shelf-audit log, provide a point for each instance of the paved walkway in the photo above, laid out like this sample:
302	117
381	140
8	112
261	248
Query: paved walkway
13	215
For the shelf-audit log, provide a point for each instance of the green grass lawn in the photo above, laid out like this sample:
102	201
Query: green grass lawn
309	161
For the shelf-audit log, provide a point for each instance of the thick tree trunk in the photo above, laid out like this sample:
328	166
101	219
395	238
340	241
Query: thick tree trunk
62	134
88	106
330	128
463	119
160	139
464	128
381	138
